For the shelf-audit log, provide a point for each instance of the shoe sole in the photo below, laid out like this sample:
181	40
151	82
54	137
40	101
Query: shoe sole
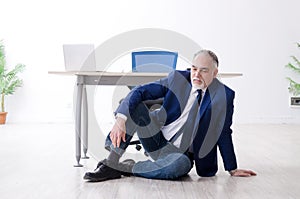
100	179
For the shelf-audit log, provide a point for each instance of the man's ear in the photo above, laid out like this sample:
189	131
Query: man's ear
215	72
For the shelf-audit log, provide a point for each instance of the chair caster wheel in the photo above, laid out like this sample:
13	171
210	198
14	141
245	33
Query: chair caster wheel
138	147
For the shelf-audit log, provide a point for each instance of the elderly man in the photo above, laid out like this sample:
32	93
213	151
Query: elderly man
194	120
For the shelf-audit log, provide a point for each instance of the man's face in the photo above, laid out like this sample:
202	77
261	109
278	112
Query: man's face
203	71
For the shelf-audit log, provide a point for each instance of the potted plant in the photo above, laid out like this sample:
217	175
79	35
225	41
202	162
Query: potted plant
294	87
9	81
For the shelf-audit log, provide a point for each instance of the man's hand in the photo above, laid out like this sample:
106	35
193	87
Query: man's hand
118	132
242	173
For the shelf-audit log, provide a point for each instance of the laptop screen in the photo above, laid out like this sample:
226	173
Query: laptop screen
79	57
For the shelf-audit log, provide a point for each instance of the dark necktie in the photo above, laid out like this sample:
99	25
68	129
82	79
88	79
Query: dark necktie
188	127
199	96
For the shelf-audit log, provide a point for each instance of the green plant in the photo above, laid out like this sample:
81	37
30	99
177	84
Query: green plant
9	81
294	87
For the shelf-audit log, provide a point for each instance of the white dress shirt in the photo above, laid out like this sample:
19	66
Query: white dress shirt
171	129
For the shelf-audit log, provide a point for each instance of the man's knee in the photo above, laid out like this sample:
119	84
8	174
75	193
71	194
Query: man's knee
140	115
170	167
180	166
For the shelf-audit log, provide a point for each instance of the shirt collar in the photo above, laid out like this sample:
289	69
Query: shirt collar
194	90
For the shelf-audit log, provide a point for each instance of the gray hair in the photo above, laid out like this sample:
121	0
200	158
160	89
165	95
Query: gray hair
209	53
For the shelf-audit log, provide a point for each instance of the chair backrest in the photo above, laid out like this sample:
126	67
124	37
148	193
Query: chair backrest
154	61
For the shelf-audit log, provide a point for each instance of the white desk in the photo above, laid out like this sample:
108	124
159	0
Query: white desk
105	78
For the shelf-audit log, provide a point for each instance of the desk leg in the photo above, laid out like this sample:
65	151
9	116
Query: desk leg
78	120
85	123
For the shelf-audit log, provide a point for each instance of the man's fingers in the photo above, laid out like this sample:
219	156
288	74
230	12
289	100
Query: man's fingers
240	174
113	139
117	137
251	172
124	137
118	141
244	173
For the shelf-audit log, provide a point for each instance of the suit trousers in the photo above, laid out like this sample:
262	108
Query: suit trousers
167	160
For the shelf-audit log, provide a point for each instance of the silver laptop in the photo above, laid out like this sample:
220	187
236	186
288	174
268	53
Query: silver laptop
79	57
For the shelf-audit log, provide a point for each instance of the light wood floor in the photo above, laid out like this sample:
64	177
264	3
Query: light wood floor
36	161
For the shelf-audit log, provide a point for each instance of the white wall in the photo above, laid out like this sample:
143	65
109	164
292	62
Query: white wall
253	37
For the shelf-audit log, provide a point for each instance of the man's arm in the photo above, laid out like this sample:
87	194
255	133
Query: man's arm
139	94
226	145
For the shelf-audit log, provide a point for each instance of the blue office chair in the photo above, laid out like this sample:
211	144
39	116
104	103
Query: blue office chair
153	61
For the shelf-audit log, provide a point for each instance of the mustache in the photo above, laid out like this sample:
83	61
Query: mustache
198	79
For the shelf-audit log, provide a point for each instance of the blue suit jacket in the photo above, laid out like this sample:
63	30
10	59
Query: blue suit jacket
213	122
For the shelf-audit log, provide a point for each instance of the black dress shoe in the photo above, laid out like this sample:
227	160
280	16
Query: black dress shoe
102	173
124	167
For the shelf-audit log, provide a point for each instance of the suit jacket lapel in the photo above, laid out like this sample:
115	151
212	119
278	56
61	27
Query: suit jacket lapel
204	104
